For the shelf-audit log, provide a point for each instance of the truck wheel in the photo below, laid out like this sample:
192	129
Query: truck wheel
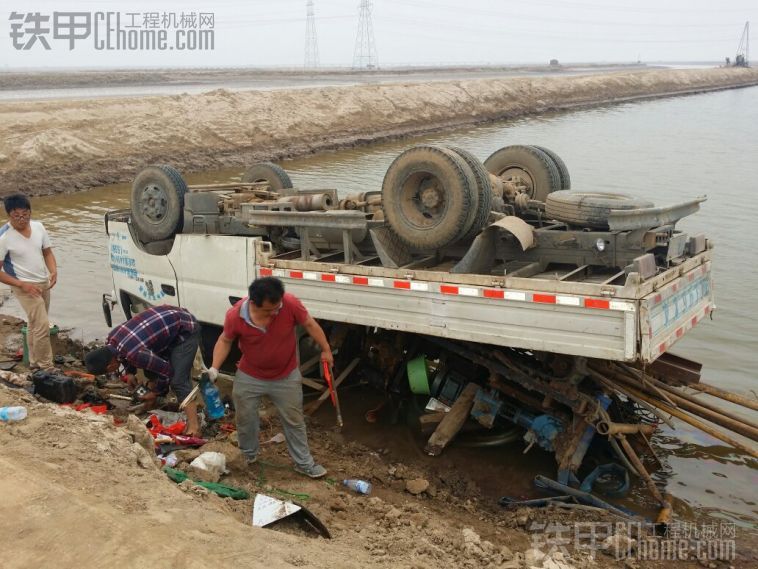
427	195
589	209
528	167
563	172
483	189
273	175
158	203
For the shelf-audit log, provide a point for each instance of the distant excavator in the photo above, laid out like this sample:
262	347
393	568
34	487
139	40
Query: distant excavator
743	50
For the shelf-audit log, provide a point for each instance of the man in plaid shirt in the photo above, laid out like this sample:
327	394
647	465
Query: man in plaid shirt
162	341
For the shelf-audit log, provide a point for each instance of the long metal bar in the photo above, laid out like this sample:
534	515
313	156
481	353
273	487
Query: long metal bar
706	411
679	414
641	470
726	395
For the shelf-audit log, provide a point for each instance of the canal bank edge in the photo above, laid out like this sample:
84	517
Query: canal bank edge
57	146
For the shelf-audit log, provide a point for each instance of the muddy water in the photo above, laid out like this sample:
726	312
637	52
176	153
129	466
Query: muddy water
665	150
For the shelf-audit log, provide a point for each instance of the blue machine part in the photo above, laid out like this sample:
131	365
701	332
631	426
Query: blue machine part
486	408
543	430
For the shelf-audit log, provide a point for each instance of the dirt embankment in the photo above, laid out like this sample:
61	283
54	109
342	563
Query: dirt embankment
60	146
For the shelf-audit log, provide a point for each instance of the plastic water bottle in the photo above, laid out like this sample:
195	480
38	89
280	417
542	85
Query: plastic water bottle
9	414
360	486
212	398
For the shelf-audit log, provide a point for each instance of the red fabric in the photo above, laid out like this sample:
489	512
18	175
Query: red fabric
271	354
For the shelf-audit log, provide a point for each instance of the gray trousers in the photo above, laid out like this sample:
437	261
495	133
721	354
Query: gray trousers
287	396
182	357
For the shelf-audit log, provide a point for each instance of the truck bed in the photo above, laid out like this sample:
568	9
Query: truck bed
634	321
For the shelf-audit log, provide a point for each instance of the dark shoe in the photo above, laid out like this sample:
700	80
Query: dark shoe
315	471
251	461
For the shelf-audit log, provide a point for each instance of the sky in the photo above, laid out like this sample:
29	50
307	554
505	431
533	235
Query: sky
264	33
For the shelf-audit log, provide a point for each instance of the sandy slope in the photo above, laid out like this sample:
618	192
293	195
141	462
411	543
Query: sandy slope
54	146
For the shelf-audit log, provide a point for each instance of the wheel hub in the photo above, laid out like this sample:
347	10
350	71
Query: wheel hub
154	203
520	178
431	197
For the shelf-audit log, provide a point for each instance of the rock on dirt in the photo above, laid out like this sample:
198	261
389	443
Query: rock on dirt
416	486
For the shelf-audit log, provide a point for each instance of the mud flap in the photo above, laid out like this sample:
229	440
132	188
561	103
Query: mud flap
481	255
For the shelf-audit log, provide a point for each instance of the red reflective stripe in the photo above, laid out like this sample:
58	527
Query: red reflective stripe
679	332
446	289
692	276
296	274
492	293
657	298
694	320
675	287
360	280
264	272
597	303
327	277
544	298
662	348
402	284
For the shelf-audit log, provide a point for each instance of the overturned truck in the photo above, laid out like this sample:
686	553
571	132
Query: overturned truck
490	288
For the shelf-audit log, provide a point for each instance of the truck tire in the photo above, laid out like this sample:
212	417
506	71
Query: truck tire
483	189
273	175
527	166
560	165
589	209
158	203
427	194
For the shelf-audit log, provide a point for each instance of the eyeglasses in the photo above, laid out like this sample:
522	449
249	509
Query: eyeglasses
19	216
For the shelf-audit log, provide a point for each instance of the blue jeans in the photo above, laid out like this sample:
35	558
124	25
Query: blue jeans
287	396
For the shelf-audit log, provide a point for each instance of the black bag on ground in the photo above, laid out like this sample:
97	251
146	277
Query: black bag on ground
54	386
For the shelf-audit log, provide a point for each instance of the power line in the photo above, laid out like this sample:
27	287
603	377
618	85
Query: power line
364	56
311	43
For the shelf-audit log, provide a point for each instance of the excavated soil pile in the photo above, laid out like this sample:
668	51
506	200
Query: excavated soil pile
66	145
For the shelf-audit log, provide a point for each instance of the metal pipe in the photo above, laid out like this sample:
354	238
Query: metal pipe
636	376
644	474
609	428
713	414
726	395
699	425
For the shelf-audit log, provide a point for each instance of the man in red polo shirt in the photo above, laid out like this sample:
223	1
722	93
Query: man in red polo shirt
264	324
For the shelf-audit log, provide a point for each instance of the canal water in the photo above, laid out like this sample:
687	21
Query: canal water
666	150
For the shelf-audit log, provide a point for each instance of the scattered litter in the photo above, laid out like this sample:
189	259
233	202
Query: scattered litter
267	510
15	379
220	489
209	466
436	405
11	414
359	486
278	438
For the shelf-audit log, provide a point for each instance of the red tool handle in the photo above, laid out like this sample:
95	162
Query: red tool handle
329	382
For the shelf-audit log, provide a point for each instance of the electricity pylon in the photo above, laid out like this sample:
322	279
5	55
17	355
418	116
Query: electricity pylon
311	43
365	56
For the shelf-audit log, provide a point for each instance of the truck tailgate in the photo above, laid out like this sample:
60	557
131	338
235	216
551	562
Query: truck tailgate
668	313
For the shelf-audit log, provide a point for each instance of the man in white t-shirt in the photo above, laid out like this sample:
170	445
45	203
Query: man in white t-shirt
29	268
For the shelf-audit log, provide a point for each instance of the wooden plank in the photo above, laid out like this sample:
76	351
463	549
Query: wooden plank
431	418
453	421
313	406
314	384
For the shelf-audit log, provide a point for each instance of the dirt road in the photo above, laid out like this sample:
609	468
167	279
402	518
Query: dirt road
68	145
